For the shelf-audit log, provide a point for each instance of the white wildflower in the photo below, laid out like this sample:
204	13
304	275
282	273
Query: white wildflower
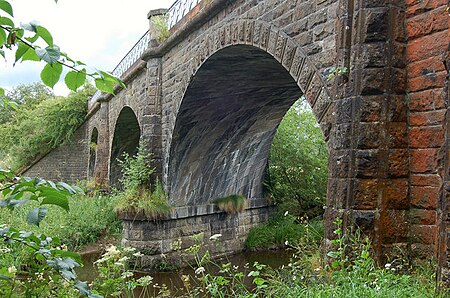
387	266
286	213
129	249
127	274
112	250
12	270
145	280
199	270
215	237
138	254
123	259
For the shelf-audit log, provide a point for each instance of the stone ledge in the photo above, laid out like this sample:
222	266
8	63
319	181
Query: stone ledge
192	211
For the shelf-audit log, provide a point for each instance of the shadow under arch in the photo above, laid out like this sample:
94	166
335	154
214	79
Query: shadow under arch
93	152
127	134
225	125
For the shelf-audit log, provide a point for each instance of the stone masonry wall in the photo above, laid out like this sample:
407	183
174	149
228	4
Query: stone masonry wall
428	37
168	240
68	163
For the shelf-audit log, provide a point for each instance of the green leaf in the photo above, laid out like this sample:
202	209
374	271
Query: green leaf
2	93
6	7
49	54
109	77
67	254
30	55
2	37
51	73
21	50
67	187
36	215
6	21
32	39
105	86
2	53
54	197
75	79
259	281
45	34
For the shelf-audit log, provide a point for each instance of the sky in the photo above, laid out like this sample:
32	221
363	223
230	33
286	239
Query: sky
97	32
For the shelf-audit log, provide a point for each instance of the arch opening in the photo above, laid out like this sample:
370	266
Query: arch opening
93	152
127	133
225	125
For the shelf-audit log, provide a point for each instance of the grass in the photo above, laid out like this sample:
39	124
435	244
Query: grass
232	203
152	204
282	230
88	220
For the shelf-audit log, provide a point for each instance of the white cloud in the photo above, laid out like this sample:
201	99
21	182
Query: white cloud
97	32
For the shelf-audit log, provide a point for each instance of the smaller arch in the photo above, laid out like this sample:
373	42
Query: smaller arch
93	152
127	133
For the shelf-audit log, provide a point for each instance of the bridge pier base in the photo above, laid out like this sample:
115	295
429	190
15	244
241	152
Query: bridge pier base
167	242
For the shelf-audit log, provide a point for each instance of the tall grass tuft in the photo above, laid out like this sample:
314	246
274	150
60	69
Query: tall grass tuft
231	204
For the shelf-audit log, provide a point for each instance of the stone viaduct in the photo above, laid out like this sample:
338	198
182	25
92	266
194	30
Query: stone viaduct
208	100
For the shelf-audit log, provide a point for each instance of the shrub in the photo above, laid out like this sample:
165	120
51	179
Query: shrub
284	230
161	24
232	203
88	220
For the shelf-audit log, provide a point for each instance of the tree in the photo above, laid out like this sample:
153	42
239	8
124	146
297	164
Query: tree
298	163
23	97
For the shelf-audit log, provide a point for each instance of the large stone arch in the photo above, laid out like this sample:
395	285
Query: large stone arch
273	52
126	137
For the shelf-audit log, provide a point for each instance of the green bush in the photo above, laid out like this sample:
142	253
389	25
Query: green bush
88	220
282	230
40	127
297	178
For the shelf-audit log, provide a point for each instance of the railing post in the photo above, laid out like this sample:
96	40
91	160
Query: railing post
154	31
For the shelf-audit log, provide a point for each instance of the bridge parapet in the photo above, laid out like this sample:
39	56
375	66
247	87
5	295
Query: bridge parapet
130	58
179	10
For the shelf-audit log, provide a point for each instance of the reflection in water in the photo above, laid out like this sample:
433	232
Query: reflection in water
172	279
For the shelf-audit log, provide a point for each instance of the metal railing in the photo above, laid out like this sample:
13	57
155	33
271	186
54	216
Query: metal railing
130	58
179	9
176	12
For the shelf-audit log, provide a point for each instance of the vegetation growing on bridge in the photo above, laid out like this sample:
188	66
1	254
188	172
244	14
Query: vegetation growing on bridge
139	196
231	203
39	122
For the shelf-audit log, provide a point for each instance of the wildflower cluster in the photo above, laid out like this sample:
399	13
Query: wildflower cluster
115	277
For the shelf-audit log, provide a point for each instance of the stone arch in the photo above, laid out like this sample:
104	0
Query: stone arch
92	152
279	45
127	133
219	146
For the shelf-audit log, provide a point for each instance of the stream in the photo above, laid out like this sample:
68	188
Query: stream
172	279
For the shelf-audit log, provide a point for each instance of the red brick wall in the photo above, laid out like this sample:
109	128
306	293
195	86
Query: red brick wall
427	24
